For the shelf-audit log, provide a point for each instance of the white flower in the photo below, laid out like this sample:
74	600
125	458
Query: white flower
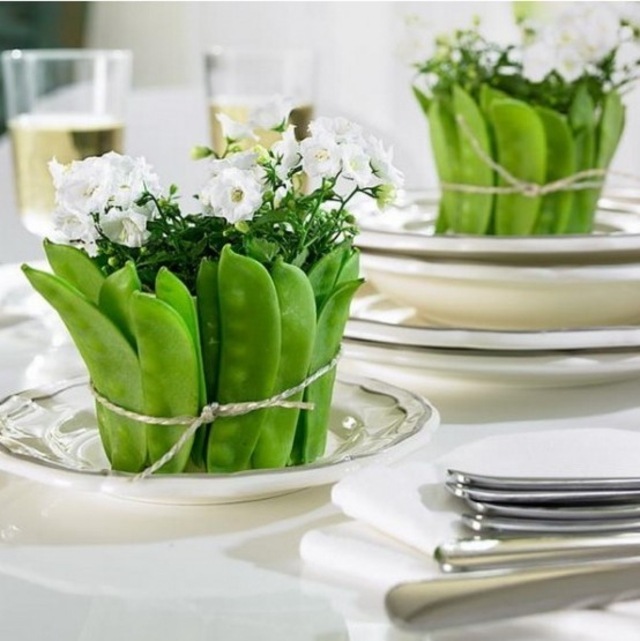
131	178
340	129
356	165
83	187
569	63
596	28
382	164
273	114
538	61
288	151
95	185
234	130
71	228
244	160
126	227
233	194
321	157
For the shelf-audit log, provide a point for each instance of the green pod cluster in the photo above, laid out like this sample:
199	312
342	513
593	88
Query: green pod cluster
264	332
249	334
142	352
533	144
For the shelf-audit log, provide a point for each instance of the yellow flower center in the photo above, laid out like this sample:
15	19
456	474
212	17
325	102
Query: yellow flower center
237	195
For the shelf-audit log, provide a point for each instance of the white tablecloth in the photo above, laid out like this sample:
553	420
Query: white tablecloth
76	565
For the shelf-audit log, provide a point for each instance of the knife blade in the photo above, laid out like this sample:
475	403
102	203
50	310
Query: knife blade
505	553
475	598
541	483
544	497
492	524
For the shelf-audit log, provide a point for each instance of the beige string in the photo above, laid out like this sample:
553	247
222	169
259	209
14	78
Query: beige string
574	182
211	412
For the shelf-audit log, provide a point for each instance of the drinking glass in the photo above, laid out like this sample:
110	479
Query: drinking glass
239	80
66	104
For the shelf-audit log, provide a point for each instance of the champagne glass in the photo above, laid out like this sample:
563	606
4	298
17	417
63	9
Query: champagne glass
238	80
66	104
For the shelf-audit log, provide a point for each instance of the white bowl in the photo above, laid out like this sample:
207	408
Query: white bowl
509	297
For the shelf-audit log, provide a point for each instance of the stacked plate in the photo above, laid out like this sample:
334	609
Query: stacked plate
527	311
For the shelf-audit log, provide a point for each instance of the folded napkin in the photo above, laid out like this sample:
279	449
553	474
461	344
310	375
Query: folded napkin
398	515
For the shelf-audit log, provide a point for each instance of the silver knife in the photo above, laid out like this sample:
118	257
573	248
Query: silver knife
471	599
544	496
505	553
493	524
541	483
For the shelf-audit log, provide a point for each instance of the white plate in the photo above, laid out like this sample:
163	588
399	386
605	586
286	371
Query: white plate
377	319
509	297
409	229
428	370
50	435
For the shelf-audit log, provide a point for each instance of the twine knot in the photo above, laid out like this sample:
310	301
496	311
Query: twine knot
211	412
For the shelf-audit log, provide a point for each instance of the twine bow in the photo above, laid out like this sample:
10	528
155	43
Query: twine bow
211	412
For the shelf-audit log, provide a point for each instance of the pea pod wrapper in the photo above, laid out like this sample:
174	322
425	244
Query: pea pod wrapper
533	144
250	332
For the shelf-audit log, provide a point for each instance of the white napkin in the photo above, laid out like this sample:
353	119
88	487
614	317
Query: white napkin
398	515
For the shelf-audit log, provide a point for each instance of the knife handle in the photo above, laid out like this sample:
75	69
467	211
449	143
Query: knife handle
469	599
482	554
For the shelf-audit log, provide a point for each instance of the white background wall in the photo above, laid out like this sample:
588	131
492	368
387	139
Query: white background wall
360	74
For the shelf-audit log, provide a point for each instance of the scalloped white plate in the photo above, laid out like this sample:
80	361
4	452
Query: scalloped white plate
50	435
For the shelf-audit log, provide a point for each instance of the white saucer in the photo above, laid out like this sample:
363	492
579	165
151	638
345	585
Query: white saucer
50	435
377	319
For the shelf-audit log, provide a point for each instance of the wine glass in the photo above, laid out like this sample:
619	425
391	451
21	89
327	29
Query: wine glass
66	104
240	79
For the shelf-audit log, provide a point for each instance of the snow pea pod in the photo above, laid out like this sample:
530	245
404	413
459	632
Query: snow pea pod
311	434
209	321
582	119
444	143
249	355
115	297
474	215
298	317
521	150
170	375
171	290
324	273
555	208
610	129
74	266
112	364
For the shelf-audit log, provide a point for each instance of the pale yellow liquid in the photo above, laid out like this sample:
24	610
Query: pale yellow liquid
300	117
36	139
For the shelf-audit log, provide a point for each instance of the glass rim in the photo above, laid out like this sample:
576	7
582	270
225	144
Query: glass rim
235	51
60	54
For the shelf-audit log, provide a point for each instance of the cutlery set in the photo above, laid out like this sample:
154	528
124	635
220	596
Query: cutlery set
547	505
537	545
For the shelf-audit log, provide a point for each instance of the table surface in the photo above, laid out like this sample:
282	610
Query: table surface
90	567
83	566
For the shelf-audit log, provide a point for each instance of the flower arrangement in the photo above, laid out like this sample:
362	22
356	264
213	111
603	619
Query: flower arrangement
523	135
220	314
